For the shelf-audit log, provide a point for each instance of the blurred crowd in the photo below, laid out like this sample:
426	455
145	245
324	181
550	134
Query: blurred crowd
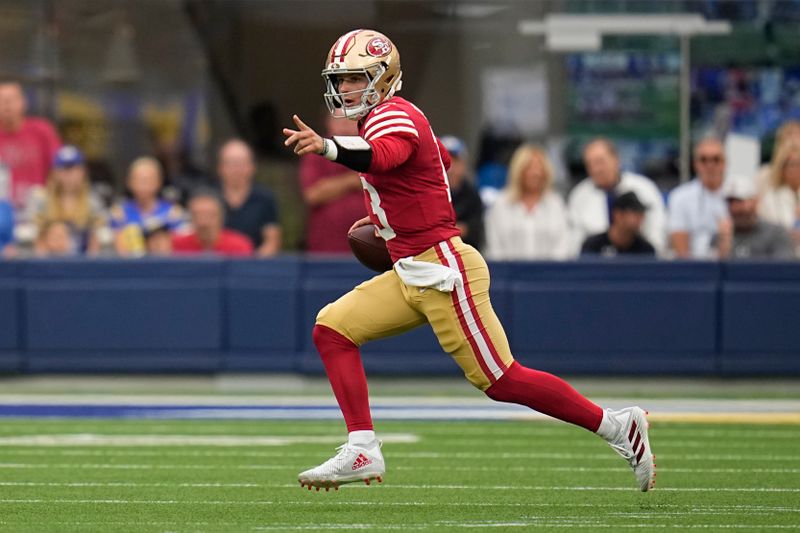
49	206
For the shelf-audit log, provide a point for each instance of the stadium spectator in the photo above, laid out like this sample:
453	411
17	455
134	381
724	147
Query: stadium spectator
27	144
55	239
208	234
528	220
250	209
68	198
745	235
589	202
145	208
780	203
696	208
789	131
466	200
333	195
158	239
624	234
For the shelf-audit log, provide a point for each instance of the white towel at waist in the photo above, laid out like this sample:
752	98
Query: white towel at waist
428	275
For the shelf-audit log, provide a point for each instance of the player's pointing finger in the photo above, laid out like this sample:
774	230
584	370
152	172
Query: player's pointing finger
300	124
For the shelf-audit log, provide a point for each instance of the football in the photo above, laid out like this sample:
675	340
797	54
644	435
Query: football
370	250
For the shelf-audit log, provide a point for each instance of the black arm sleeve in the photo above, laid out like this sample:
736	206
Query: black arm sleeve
358	160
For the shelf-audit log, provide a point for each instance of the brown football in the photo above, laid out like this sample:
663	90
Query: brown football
369	249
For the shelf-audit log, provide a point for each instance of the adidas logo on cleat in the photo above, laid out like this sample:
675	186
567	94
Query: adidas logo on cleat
361	461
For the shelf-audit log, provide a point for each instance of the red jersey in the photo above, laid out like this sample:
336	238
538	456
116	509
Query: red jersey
29	153
230	243
406	188
327	224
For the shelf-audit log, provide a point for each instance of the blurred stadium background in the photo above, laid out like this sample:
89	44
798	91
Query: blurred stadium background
226	343
175	78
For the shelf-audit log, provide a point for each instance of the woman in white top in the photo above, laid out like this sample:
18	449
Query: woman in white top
788	132
528	220
780	203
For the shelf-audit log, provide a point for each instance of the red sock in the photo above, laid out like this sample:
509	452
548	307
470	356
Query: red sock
547	394
346	373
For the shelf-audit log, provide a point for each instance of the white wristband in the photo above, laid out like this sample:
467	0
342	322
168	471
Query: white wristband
329	149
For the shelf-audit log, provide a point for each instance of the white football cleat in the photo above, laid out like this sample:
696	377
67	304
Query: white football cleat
632	444
352	463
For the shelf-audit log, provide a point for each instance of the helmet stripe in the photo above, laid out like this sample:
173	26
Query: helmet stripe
341	46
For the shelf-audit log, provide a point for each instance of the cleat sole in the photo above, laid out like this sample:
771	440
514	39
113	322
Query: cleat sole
329	484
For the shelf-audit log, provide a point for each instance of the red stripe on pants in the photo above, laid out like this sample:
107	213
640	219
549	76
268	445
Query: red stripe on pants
478	322
464	326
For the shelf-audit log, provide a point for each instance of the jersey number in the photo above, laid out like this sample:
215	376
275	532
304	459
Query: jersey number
385	230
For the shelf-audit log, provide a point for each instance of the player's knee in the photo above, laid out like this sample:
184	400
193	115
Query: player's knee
477	380
499	393
323	314
324	337
321	335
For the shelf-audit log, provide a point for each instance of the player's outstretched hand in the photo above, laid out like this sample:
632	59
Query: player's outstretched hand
304	139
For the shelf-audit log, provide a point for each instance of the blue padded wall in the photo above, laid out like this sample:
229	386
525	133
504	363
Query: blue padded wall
10	319
108	316
760	315
209	315
623	316
262	310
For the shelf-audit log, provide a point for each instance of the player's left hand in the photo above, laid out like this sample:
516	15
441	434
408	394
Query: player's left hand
304	139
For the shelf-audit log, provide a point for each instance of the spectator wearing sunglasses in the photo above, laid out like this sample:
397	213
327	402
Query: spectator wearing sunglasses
695	209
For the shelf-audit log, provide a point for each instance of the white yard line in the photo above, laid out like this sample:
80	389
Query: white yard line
48	451
442	487
568	488
659	510
532	468
124	484
771	458
93	439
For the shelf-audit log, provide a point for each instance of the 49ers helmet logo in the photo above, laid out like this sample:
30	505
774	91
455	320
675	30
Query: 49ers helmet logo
379	47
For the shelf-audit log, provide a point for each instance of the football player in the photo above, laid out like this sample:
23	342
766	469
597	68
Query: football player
436	279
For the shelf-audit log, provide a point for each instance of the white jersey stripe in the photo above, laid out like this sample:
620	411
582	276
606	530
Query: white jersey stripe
390	122
398	129
386	114
393	115
441	165
466	310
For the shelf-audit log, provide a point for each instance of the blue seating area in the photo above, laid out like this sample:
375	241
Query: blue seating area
216	315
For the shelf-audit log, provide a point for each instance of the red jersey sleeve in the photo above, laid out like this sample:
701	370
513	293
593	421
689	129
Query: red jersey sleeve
393	137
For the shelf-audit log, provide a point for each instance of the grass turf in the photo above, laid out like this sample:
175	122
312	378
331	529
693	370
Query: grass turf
507	476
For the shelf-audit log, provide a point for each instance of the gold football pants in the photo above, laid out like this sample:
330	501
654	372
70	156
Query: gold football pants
463	320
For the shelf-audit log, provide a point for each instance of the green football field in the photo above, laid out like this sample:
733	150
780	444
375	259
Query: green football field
89	475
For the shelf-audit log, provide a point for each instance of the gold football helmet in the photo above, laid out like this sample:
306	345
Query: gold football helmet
365	52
